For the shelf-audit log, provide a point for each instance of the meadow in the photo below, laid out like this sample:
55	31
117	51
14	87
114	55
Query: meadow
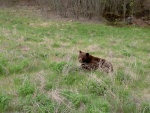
39	68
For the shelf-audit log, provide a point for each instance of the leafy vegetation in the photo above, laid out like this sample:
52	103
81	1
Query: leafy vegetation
39	66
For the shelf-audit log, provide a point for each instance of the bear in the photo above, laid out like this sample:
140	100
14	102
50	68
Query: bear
89	62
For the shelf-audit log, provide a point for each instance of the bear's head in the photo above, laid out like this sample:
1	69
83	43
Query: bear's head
84	57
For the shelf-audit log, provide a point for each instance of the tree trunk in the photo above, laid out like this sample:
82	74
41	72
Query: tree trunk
124	11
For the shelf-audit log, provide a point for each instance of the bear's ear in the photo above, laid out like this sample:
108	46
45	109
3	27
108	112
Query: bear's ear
87	54
80	51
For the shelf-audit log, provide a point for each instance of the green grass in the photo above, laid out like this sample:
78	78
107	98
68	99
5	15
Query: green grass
39	69
4	102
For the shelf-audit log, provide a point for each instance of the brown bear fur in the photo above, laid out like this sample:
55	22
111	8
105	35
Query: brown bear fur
89	62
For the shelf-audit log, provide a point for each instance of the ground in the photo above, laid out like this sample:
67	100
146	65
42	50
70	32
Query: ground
39	66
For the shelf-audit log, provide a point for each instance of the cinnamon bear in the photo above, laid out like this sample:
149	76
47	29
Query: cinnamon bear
89	62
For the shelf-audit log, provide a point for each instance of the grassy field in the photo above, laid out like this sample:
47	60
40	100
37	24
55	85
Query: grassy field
39	66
